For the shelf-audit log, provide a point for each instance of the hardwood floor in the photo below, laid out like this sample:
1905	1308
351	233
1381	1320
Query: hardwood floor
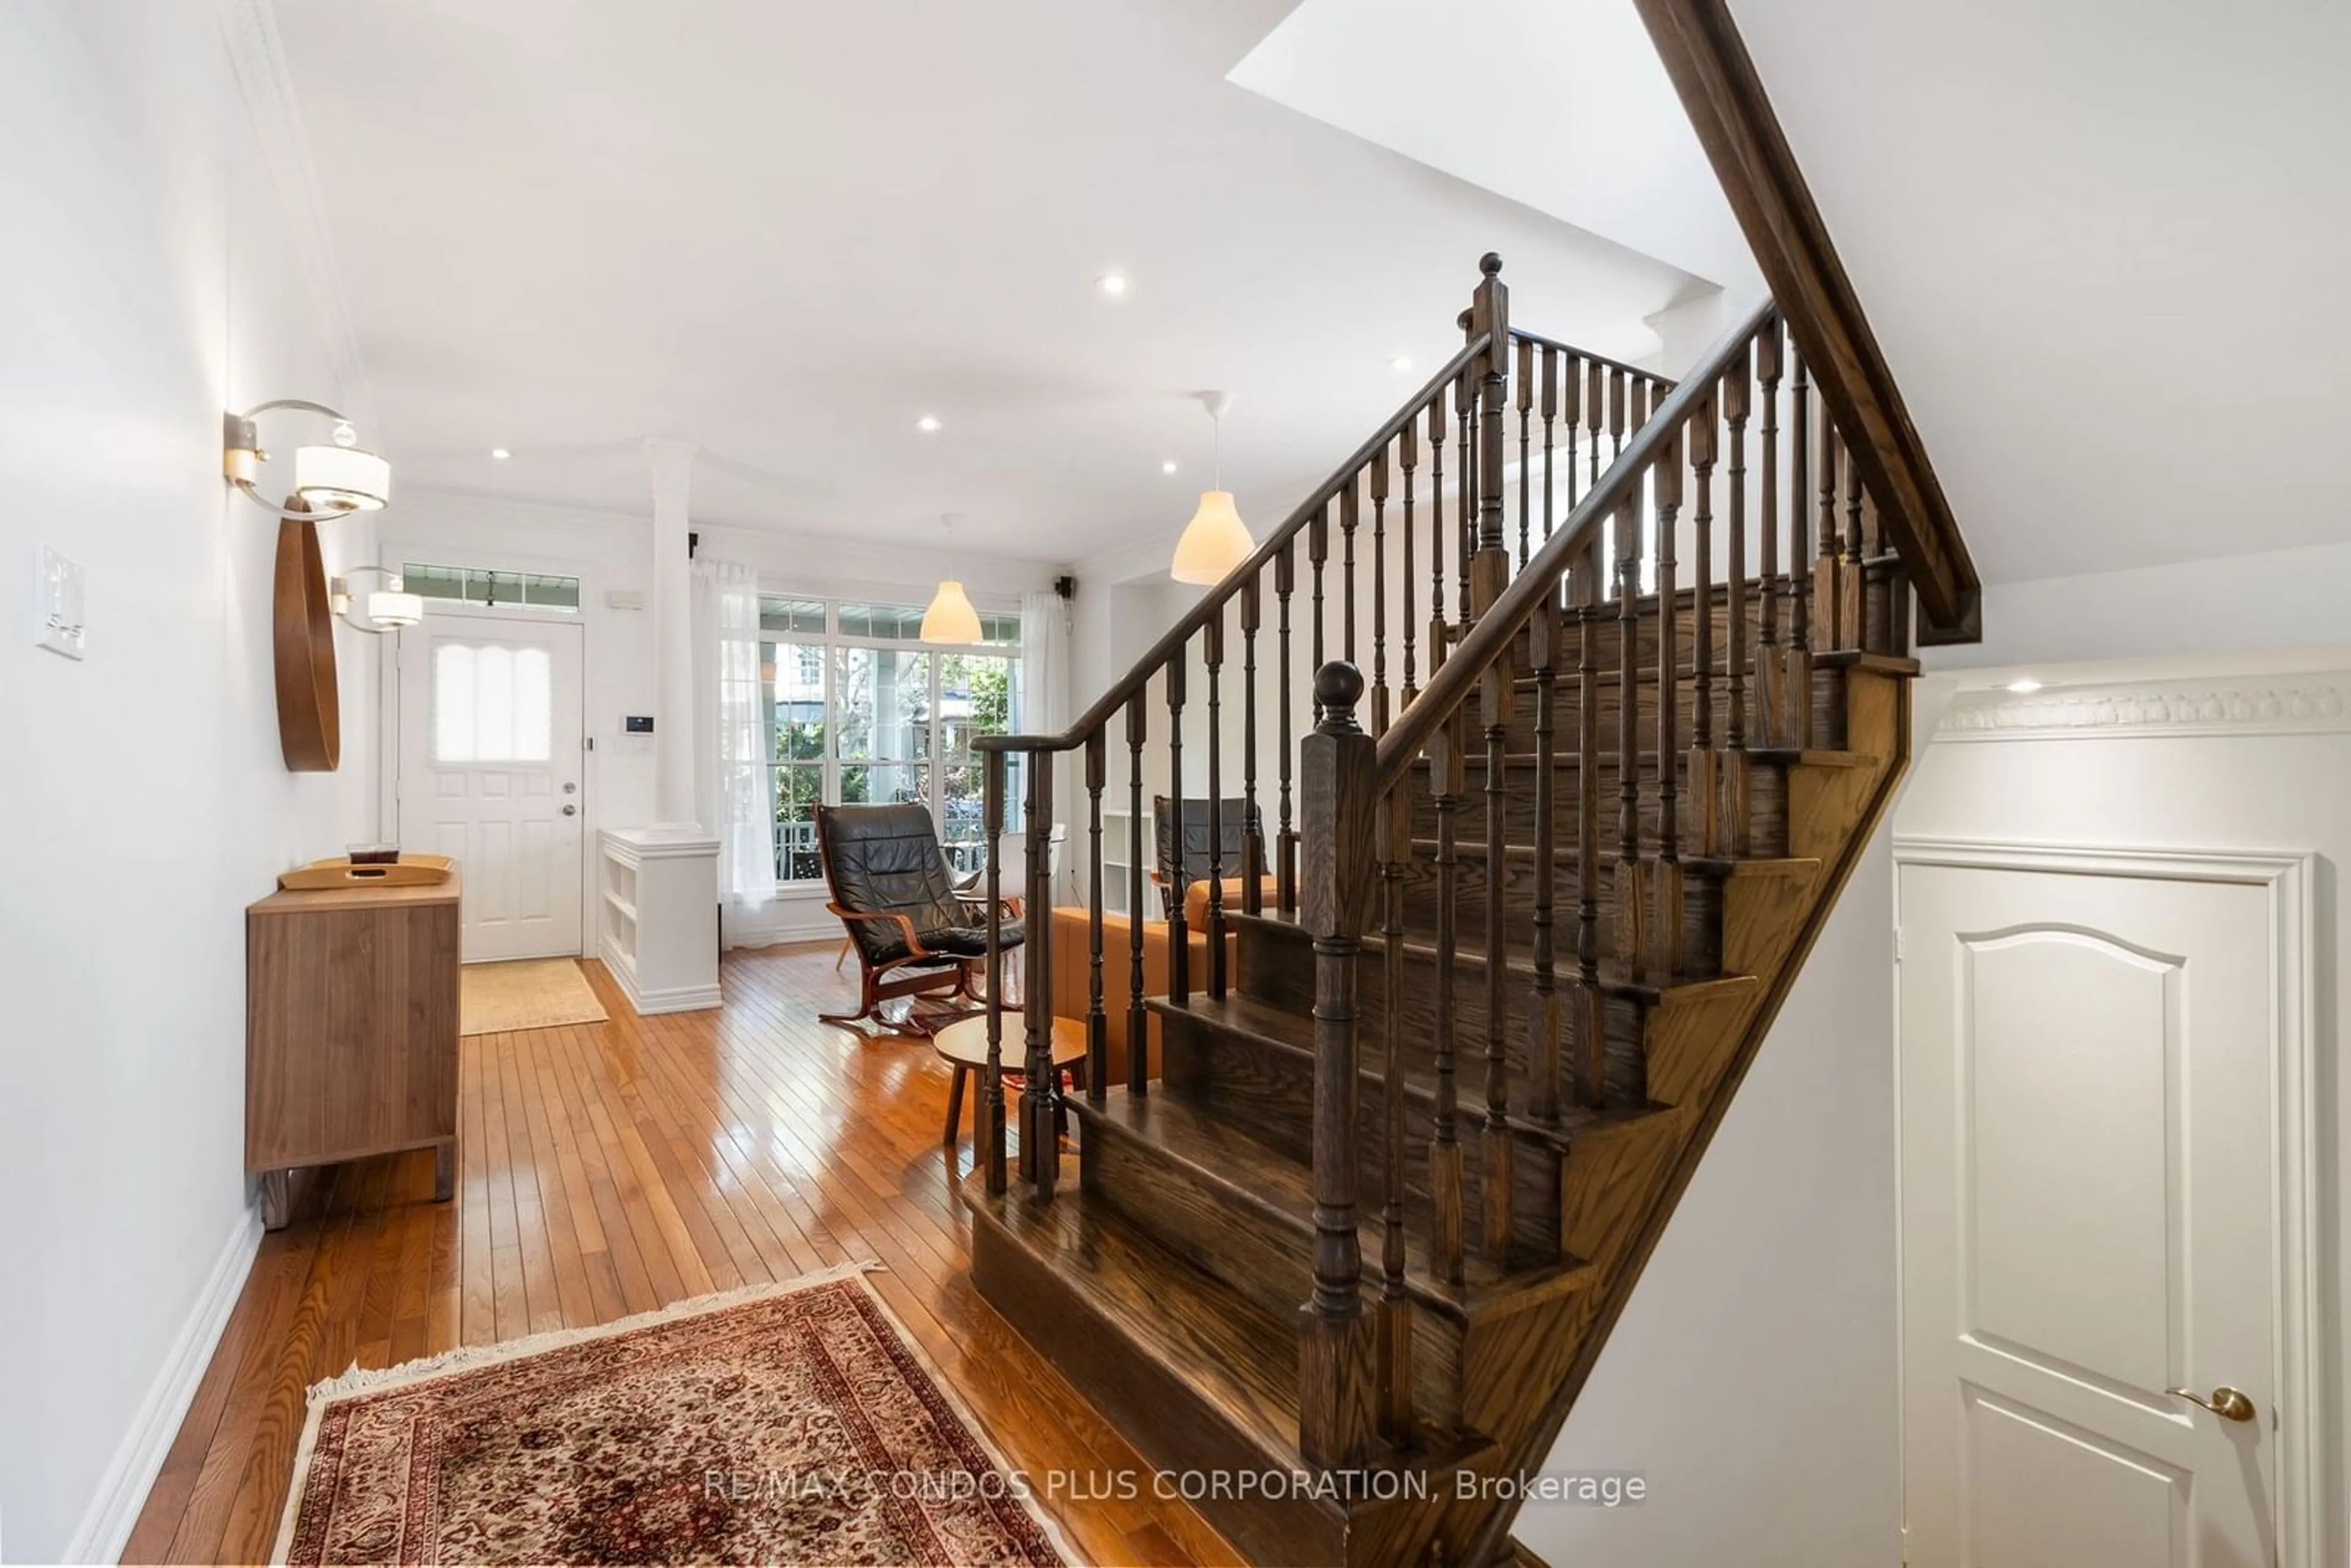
610	1168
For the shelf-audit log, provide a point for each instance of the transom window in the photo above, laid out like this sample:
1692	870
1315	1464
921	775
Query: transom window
861	711
491	589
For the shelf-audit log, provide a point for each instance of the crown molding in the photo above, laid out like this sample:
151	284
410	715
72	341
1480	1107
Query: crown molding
249	29
2316	703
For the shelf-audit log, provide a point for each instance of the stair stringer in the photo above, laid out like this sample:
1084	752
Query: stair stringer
1620	1195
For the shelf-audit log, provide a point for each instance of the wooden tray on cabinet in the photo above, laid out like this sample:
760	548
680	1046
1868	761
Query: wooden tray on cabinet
408	870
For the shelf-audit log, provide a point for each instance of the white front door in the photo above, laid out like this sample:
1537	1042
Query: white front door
490	772
2088	1160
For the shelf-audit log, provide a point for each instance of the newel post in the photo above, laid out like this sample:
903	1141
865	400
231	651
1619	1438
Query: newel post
1490	569
1338	770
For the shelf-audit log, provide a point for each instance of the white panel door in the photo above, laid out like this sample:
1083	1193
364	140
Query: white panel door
2086	1219
489	772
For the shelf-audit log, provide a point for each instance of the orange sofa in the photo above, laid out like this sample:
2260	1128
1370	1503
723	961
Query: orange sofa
1073	974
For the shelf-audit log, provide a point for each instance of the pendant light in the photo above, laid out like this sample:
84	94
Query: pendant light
1216	540
950	617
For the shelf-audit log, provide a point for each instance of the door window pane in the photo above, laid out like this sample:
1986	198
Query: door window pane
492	703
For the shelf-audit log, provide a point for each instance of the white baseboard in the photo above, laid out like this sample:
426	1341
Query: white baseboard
106	1527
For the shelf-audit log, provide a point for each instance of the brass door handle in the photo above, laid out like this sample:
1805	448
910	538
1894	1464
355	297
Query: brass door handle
2226	1402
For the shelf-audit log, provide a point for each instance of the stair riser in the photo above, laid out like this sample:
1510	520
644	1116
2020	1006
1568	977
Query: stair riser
1270	1262
1274	967
1767	810
1169	1420
1701	910
1268	1092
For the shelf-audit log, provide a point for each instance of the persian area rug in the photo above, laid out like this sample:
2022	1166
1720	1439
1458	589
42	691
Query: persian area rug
792	1423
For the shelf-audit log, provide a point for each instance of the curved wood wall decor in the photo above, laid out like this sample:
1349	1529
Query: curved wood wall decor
302	638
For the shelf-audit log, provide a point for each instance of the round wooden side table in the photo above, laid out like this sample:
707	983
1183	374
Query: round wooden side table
963	1045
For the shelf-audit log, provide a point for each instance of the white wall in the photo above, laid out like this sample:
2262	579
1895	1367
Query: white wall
1751	1377
156	276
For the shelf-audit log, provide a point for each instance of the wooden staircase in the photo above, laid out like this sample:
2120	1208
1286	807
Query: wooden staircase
1412	1141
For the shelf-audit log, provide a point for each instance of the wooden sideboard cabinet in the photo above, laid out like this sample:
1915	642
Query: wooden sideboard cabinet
350	1032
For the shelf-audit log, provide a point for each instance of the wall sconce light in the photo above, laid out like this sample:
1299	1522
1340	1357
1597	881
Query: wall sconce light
388	608
329	479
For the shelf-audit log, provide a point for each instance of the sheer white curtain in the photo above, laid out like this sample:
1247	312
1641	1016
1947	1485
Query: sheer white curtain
1045	699
734	730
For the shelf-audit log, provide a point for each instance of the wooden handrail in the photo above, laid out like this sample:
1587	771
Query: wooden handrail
1703	53
1211	605
1454	681
1520	335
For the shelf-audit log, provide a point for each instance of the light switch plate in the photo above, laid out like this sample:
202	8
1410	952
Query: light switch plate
58	605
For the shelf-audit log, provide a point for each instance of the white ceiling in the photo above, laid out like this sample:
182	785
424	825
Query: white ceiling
1560	104
2102	244
786	231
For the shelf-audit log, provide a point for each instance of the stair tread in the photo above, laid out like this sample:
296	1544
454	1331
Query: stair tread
1520	959
1296	1031
1708	865
1197	1136
1209	1336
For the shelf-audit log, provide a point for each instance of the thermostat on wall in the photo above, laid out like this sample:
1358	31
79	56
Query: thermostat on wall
637	723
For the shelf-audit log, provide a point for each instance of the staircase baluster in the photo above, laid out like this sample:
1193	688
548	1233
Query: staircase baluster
1097	1020
1350	520
1395	1306
1731	790
1379	483
1595	410
1407	459
1542	1092
1703	821
1796	683
1584	590
1252	873
1526	474
1550	399
1338	1365
1040	1148
1662	947
1438	636
1318	551
1138	1017
1445	1184
1771	672
1495	1150
988	1141
1212	651
1850	615
1631	915
1285	843
1618	394
1466	498
1571	415
1179	945
1829	630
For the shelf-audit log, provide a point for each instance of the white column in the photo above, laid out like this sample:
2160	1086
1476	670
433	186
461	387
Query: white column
660	883
671	466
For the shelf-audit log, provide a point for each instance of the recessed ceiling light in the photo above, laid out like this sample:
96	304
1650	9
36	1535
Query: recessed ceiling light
1168	466
1401	364
1113	284
500	453
2024	687
928	425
